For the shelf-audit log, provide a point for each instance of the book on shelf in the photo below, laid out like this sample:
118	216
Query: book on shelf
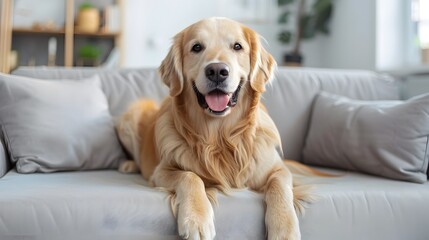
111	19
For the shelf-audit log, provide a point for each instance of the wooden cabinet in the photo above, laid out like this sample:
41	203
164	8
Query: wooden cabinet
31	43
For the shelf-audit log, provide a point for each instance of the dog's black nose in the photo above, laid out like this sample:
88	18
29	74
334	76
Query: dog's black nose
217	72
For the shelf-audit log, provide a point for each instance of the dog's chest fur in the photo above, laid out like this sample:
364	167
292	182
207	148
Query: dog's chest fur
222	154
224	160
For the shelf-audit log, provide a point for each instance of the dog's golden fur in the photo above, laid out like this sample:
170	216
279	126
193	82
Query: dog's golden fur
188	150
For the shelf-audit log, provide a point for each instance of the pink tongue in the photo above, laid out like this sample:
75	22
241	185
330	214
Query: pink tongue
217	101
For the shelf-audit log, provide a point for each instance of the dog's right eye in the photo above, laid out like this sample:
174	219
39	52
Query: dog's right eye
197	48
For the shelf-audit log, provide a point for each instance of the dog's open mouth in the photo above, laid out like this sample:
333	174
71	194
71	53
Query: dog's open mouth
217	101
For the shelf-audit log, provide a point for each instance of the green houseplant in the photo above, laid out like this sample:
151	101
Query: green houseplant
309	22
86	5
89	51
89	55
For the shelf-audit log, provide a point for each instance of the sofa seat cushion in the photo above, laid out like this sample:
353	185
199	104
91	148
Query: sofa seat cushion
357	206
110	205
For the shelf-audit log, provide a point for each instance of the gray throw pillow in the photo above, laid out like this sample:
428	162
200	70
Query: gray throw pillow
58	125
384	138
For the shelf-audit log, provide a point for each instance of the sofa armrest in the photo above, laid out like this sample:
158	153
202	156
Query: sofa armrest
4	161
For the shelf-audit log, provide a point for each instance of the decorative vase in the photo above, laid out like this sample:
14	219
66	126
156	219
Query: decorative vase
88	20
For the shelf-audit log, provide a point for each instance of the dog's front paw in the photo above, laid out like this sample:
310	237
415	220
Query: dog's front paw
196	221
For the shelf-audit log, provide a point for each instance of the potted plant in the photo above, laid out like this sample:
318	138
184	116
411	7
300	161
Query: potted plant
89	55
88	18
309	22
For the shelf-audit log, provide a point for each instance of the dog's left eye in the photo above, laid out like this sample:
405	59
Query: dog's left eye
237	46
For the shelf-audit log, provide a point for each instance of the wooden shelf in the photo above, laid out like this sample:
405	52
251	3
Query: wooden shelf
98	34
69	36
38	31
62	32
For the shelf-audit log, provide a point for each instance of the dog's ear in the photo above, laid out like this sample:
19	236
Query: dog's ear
262	64
171	67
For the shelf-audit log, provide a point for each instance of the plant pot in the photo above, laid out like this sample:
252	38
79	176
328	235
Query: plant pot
87	62
293	59
88	20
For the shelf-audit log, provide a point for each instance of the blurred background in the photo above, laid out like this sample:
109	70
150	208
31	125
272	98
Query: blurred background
380	35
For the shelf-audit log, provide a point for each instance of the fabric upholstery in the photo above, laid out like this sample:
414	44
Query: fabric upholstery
57	125
111	205
288	98
4	163
385	138
121	87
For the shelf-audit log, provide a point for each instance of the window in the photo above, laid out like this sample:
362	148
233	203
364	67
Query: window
402	34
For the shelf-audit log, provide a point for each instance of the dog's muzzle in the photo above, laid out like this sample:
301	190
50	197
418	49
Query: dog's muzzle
217	101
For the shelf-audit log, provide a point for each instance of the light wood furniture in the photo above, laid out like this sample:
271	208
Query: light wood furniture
5	34
68	33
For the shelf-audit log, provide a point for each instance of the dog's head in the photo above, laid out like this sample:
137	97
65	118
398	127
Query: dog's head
214	58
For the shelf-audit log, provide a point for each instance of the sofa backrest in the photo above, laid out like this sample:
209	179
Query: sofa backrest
120	86
288	98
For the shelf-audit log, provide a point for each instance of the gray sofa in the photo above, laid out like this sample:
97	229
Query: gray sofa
105	204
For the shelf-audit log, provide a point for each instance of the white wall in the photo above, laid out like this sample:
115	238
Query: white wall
365	34
390	41
351	43
26	14
150	25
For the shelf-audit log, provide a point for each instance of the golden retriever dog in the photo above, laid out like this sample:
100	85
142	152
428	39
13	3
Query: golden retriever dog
212	132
